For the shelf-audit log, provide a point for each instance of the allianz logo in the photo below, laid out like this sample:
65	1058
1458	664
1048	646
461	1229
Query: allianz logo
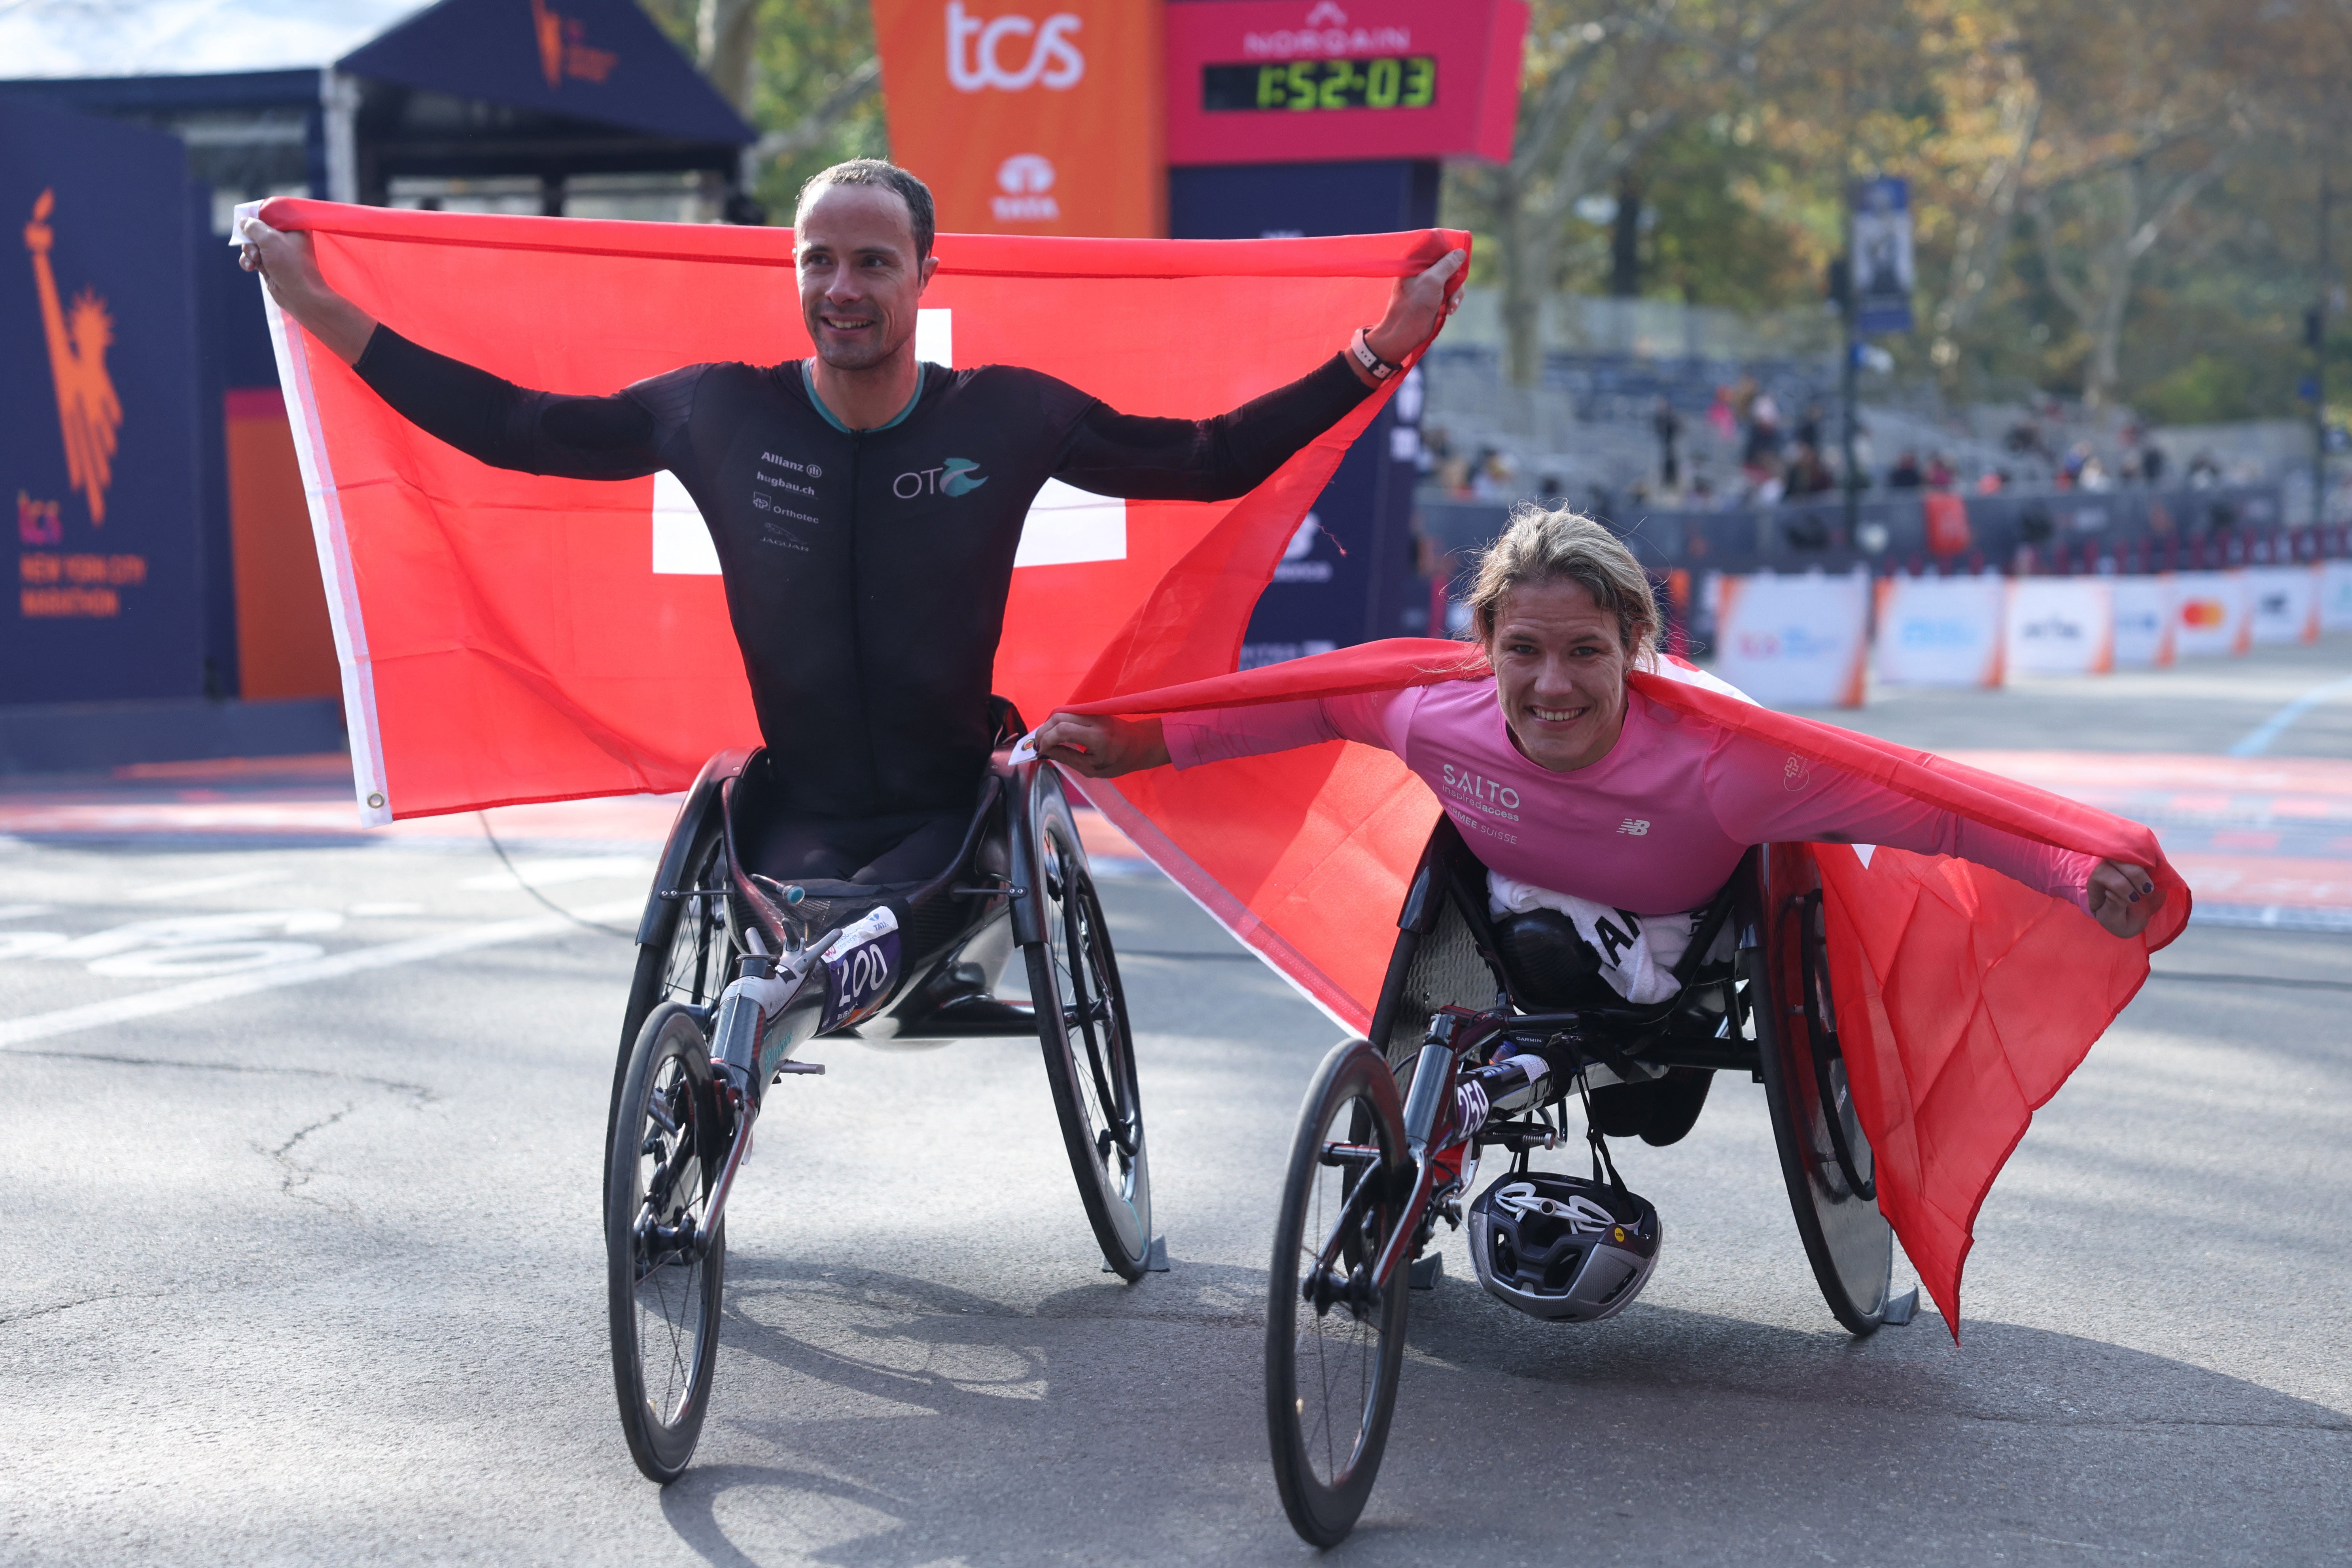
975	52
1027	180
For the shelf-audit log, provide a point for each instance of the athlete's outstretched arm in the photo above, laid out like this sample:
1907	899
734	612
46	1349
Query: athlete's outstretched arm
1116	454
494	421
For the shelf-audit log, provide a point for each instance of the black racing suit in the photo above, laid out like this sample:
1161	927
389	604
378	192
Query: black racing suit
866	571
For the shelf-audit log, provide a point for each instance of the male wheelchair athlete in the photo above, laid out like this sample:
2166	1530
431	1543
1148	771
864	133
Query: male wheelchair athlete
737	973
1389	1137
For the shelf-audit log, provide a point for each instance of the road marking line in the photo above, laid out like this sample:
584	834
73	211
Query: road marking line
2277	724
334	966
199	886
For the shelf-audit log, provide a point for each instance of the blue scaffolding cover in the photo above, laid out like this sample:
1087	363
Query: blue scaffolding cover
590	59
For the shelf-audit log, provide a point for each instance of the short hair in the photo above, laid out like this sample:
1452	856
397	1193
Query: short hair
886	175
1557	544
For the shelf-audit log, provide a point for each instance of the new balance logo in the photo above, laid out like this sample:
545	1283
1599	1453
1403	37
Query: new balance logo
1638	826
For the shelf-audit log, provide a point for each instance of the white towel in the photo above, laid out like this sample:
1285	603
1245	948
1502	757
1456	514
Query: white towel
1638	952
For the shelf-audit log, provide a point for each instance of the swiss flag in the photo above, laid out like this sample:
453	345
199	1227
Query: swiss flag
506	638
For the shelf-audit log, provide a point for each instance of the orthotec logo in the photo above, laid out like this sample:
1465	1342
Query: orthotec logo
976	52
953	476
1025	179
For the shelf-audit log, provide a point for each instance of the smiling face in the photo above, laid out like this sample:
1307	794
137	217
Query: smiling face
1560	673
854	247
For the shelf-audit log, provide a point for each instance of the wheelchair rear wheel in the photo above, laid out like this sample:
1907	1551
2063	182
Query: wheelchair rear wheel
690	956
1334	1346
1825	1157
1081	1013
664	1291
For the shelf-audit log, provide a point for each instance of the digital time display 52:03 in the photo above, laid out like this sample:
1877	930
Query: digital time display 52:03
1394	81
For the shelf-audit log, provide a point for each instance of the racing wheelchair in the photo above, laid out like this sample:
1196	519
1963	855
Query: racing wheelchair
1394	1127
737	973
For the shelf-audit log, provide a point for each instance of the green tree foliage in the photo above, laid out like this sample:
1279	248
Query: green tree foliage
2112	198
796	60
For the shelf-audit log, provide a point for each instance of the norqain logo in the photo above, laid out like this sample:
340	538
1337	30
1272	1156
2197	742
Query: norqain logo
953	476
973	62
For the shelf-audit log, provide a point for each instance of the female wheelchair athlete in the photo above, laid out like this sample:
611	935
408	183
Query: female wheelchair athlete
1390	1134
737	973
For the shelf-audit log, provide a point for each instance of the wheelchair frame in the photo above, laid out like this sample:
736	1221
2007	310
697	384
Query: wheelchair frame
731	986
1405	1159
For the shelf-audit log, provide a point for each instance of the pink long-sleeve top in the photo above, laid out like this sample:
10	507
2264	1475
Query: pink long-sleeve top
1656	826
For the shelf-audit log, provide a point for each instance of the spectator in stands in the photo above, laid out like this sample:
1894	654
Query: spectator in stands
1808	475
1668	425
1722	415
2204	473
1905	475
2151	466
1939	473
1496	478
1809	428
1992	481
1763	433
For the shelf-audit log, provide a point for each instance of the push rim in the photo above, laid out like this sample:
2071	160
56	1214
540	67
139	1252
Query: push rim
1094	1021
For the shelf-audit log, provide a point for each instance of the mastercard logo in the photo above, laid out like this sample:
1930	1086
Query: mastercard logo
2203	612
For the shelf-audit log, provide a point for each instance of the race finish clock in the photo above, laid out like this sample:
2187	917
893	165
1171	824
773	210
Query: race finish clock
1388	81
1311	81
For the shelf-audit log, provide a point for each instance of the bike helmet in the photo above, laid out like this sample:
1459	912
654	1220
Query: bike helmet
1560	1247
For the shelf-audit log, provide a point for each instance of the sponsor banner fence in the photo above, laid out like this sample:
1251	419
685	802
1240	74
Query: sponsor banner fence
2212	613
2060	626
2283	604
2145	609
1793	642
1941	631
2336	595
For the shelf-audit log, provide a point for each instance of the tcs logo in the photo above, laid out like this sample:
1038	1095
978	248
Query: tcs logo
976	59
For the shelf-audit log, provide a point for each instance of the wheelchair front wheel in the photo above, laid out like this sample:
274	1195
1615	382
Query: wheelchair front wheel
1334	1346
1082	1024
663	1292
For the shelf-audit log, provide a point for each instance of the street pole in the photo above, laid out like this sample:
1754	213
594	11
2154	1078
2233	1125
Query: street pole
2319	366
1852	382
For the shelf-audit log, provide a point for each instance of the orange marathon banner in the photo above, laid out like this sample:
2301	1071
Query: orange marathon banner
1039	117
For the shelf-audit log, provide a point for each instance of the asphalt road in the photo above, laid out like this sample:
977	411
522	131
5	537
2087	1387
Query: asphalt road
313	1273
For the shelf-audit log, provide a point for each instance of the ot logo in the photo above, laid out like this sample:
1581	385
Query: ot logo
973	62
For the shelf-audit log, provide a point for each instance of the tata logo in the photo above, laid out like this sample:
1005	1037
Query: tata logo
976	59
1025	178
88	412
563	50
951	477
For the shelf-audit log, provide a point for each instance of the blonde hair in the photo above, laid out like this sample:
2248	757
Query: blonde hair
1556	544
